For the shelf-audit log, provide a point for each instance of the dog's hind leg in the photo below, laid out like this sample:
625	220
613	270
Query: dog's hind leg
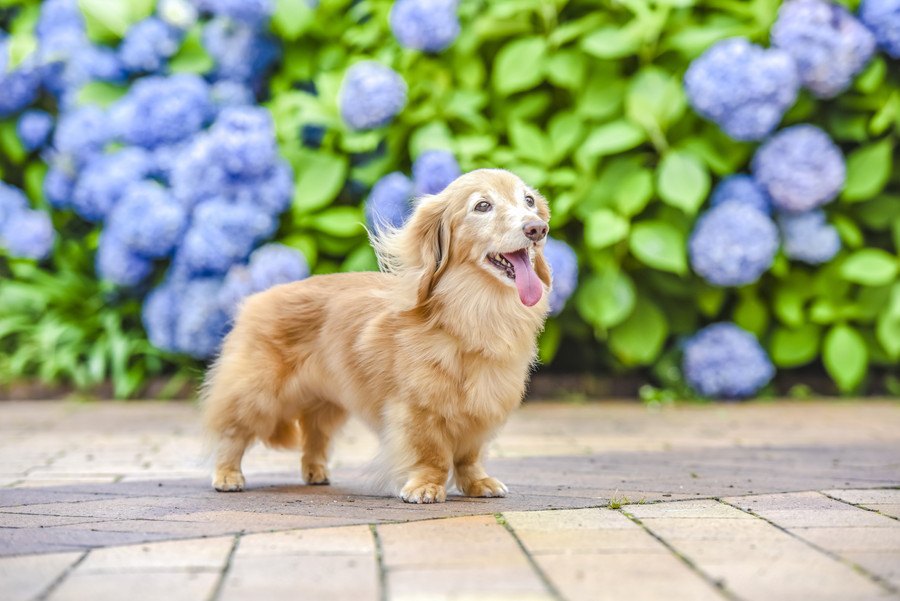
472	480
318	423
228	476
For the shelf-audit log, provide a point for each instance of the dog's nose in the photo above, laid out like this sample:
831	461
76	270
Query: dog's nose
535	230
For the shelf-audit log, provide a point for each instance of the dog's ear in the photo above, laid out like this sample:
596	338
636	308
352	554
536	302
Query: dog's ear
429	227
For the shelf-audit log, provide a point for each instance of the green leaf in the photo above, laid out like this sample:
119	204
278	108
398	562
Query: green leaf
660	245
795	347
845	357
566	69
519	65
870	267
549	341
868	170
655	99
601	99
611	41
887	328
607	299
530	142
192	57
604	228
683	181
611	138
751	314
109	20
10	145
341	222
292	18
565	131
318	180
634	192
100	93
639	339
435	135
20	46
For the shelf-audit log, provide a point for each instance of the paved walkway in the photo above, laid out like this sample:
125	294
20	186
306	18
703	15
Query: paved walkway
608	501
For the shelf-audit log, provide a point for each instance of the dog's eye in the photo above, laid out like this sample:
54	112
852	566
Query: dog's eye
529	200
483	206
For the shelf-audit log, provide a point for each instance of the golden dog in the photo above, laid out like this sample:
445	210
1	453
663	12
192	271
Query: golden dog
433	353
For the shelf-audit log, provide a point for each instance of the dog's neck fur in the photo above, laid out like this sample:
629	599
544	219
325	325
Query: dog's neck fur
489	319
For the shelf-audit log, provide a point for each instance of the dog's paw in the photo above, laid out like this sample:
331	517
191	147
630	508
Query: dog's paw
486	487
415	492
228	481
315	473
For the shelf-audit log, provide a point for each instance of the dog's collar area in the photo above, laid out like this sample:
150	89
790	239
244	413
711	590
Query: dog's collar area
500	262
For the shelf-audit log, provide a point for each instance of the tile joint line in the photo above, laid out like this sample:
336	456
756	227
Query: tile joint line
62	577
542	576
217	591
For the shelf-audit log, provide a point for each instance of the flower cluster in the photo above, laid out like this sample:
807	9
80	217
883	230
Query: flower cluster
371	95
743	88
182	173
428	25
882	17
390	202
828	44
24	232
724	361
564	270
808	237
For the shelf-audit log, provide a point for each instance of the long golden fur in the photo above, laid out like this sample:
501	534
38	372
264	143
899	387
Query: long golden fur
433	352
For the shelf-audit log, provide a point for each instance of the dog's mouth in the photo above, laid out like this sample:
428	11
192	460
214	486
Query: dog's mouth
517	267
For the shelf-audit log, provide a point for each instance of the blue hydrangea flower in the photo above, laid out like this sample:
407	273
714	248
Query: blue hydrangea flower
882	17
27	234
732	244
148	45
724	361
20	85
58	187
433	171
371	95
245	141
741	87
178	13
201	322
269	266
808	237
801	168
148	220
106	178
116	263
81	134
83	64
390	202
163	110
221	234
252	12
429	25
564	269
60	29
196	174
228	93
271	192
159	314
12	201
743	189
241	52
828	44
34	128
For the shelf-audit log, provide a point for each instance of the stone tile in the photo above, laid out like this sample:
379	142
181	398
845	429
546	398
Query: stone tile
865	497
349	540
884	564
845	538
705	508
601	554
755	560
469	557
136	586
808	509
25	577
206	554
27	520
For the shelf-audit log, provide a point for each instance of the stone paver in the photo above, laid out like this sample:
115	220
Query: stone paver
754	501
752	558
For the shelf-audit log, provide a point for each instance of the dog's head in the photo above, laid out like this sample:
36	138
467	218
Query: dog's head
487	222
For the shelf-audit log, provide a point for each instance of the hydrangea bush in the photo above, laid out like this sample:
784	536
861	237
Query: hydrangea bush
706	163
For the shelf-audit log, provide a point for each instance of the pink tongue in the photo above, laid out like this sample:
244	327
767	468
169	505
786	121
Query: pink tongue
527	282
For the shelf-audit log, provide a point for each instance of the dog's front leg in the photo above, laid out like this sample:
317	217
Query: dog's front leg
430	458
472	480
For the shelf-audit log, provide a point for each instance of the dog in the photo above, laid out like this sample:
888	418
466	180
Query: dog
433	352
